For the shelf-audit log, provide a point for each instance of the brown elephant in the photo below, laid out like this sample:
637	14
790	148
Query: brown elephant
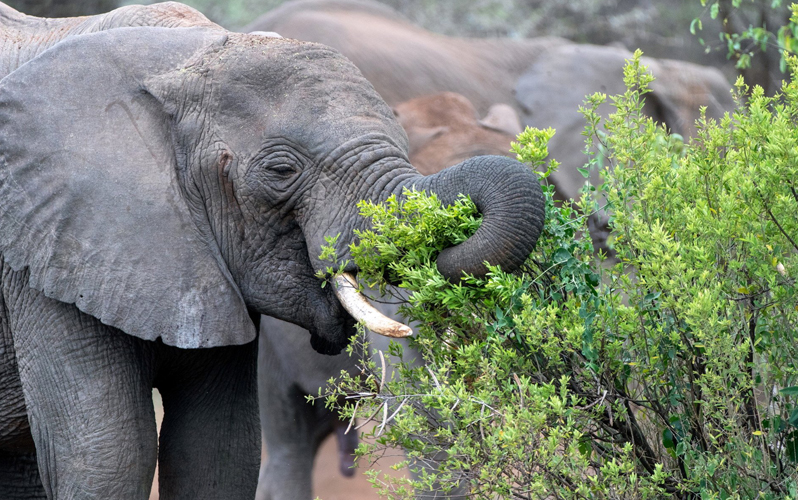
544	79
444	129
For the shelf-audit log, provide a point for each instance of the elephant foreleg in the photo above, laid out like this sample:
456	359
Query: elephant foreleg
19	473
210	438
19	477
290	430
88	398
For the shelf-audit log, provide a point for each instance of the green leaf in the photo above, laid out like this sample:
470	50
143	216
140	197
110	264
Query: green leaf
561	256
793	420
695	23
667	439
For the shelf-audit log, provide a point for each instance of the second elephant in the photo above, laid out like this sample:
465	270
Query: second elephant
292	428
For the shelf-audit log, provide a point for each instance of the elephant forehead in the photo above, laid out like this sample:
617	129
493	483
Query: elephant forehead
278	67
305	91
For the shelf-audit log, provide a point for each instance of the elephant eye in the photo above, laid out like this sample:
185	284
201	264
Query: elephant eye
279	164
282	169
276	170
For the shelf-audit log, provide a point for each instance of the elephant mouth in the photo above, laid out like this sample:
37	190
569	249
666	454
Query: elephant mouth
346	291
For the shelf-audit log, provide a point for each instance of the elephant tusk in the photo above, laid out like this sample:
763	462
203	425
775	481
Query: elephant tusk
345	286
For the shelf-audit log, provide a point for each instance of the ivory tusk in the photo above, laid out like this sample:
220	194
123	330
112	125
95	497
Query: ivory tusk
345	286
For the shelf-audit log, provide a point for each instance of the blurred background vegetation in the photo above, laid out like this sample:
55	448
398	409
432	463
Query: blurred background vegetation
661	28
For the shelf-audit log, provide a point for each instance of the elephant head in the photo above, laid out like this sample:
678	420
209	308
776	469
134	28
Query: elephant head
444	129
171	182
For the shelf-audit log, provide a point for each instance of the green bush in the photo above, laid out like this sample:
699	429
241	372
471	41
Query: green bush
668	372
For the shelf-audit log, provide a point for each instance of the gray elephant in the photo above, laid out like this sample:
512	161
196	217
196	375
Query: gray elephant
162	187
404	61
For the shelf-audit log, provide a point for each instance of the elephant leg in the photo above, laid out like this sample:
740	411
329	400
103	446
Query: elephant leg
19	477
19	473
292	431
210	439
88	396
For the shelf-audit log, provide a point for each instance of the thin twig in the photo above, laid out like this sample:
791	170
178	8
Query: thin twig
520	390
372	416
384	418
382	379
352	420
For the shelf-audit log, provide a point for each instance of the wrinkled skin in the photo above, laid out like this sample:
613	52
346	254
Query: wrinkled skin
544	79
160	188
24	37
444	129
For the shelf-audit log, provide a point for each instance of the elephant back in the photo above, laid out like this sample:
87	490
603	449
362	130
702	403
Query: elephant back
24	37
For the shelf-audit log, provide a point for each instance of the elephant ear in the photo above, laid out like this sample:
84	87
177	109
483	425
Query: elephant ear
683	88
91	203
502	118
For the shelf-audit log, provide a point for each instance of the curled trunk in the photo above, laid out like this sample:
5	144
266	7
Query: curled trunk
507	194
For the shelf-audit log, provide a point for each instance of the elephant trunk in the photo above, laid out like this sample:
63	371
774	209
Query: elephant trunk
507	194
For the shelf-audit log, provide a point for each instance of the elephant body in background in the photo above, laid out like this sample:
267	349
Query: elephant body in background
552	89
292	428
543	79
160	189
404	61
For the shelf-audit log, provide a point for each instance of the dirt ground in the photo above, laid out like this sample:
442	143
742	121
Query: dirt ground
328	483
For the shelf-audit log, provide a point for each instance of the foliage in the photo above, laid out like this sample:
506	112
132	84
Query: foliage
756	34
669	373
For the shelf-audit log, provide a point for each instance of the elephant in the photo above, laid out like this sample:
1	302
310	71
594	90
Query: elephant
162	188
404	61
544	79
24	37
555	85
